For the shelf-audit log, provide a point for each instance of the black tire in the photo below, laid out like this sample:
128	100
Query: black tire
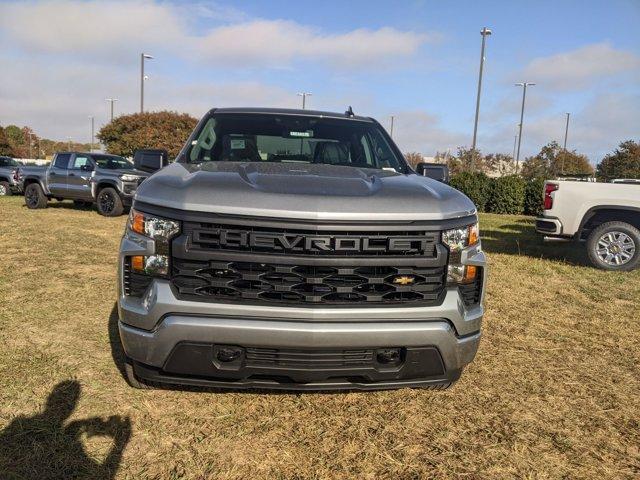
34	197
5	189
109	203
132	380
619	236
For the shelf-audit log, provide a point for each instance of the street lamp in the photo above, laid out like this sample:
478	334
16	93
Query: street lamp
111	100
92	133
485	32
143	56
304	96
524	86
566	132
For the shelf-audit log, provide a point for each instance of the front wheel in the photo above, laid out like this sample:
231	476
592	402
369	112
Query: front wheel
34	197
614	246
5	189
109	203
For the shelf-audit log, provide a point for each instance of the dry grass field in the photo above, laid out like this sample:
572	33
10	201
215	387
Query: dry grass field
553	393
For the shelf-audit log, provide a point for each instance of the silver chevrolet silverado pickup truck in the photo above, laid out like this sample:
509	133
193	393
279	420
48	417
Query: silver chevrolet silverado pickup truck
296	249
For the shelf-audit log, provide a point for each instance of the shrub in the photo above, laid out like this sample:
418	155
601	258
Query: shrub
476	186
507	195
533	204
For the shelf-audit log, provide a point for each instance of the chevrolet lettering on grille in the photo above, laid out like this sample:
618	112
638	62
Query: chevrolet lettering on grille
285	242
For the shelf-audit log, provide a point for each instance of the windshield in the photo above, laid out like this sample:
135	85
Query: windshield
111	162
293	139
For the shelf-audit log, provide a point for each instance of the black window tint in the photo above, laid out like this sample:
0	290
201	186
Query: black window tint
62	160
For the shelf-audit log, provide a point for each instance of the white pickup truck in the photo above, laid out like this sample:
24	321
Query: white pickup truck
604	215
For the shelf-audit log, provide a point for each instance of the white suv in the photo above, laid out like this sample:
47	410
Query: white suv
605	215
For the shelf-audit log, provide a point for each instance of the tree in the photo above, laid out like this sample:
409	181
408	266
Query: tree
165	130
624	162
413	158
5	146
471	160
553	161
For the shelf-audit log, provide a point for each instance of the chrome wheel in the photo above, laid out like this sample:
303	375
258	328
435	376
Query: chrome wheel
3	190
615	248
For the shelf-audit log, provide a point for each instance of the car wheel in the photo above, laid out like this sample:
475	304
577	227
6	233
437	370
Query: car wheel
109	203
614	246
34	197
5	189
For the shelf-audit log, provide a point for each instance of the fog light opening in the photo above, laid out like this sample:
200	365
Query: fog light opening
388	355
229	354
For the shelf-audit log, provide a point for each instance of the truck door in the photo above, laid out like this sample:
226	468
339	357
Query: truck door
79	177
57	175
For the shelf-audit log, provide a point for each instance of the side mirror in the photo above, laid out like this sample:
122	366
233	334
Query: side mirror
87	168
150	160
437	171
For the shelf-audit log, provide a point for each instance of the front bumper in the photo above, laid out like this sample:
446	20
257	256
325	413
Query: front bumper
174	341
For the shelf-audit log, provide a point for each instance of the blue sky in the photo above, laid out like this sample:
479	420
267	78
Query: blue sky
417	60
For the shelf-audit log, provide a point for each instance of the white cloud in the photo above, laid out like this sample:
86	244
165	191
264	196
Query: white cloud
419	131
115	27
580	68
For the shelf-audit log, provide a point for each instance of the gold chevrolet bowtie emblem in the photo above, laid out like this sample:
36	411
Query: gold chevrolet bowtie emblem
404	280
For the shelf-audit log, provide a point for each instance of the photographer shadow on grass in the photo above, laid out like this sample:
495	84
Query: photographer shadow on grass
45	446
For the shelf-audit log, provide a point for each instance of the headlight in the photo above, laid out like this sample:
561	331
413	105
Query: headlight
161	230
457	239
129	178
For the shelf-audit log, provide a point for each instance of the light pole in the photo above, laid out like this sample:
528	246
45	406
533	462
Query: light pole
304	96
30	142
112	101
92	133
524	86
391	131
143	56
485	32
515	139
566	132
69	143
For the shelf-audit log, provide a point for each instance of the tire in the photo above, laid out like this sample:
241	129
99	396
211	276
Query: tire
5	189
614	246
34	197
109	203
132	380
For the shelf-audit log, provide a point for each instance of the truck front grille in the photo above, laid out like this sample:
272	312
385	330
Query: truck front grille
320	360
212	280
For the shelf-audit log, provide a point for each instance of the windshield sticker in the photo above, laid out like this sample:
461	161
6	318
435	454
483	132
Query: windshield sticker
308	133
237	144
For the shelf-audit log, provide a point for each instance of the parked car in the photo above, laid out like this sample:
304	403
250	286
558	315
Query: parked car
8	176
605	216
296	249
109	181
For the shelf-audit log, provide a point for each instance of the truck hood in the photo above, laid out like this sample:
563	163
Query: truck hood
302	191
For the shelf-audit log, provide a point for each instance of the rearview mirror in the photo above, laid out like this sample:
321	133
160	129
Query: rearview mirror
87	168
437	171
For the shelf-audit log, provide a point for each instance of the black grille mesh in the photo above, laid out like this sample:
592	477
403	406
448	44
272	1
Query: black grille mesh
319	360
471	292
214	280
135	284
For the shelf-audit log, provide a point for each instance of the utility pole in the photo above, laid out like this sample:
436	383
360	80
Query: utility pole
524	86
30	142
391	131
143	56
69	143
485	32
92	133
566	132
515	139
304	96
111	100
